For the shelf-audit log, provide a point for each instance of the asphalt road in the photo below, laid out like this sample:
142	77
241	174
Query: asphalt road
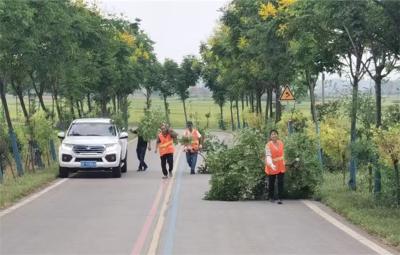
92	213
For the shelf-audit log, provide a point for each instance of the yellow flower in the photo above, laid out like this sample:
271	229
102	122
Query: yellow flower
243	42
267	10
282	29
285	3
146	55
127	38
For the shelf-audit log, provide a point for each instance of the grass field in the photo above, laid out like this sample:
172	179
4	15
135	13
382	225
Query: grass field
196	109
360	208
12	190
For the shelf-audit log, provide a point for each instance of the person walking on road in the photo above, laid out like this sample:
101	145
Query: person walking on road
193	145
141	147
274	165
165	145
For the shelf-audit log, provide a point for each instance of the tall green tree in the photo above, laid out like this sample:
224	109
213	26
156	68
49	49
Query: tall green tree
347	22
168	83
189	73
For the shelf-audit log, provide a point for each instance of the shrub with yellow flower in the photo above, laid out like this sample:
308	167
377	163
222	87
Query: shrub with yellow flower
267	10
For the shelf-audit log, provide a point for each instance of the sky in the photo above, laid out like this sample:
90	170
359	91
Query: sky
176	26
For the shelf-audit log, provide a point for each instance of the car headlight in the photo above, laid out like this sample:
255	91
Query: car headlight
67	146
111	146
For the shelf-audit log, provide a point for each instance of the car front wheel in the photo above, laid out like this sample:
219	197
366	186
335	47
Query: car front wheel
116	172
125	166
63	172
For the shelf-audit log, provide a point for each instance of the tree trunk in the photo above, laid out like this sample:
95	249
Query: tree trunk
266	108
259	95
247	101
89	103
271	114
103	105
269	100
58	108
353	130
39	93
5	105
123	108
166	108
232	121
278	109
242	99
13	139
78	108
184	110
71	107
20	95
114	105
221	121
311	87
237	113
252	102
397	181
378	101
81	105
148	100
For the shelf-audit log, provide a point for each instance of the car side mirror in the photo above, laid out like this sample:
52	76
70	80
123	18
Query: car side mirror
61	135
123	135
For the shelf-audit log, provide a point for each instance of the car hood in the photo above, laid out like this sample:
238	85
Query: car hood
90	140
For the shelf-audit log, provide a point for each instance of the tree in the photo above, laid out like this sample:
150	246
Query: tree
189	73
168	83
382	41
347	22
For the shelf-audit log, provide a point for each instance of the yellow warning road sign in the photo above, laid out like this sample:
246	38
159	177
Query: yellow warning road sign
287	95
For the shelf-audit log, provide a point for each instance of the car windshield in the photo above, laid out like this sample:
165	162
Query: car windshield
92	129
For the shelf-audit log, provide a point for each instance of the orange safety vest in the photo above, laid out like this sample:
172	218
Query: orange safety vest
166	145
277	158
195	138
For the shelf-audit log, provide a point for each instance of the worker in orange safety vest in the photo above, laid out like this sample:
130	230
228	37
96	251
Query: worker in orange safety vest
192	149
274	165
165	145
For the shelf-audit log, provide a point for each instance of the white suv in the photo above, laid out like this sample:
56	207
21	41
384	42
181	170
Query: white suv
92	144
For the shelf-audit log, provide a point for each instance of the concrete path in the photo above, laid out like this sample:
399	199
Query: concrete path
92	213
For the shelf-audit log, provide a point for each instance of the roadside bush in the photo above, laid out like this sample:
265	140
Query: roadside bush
211	145
299	122
42	131
328	110
388	142
150	124
238	171
302	177
391	116
335	143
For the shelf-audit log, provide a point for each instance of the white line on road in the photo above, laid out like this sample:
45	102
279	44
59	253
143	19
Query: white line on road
31	198
346	229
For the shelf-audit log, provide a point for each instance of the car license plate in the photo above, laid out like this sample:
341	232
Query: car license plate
88	164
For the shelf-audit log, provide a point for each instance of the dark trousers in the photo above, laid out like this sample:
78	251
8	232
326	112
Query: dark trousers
271	185
141	153
191	158
167	158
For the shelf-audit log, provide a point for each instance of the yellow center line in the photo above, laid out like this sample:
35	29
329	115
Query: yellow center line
163	213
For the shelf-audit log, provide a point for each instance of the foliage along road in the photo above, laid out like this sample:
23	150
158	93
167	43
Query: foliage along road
143	214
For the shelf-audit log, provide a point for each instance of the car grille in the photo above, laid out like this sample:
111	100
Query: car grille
88	149
89	159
